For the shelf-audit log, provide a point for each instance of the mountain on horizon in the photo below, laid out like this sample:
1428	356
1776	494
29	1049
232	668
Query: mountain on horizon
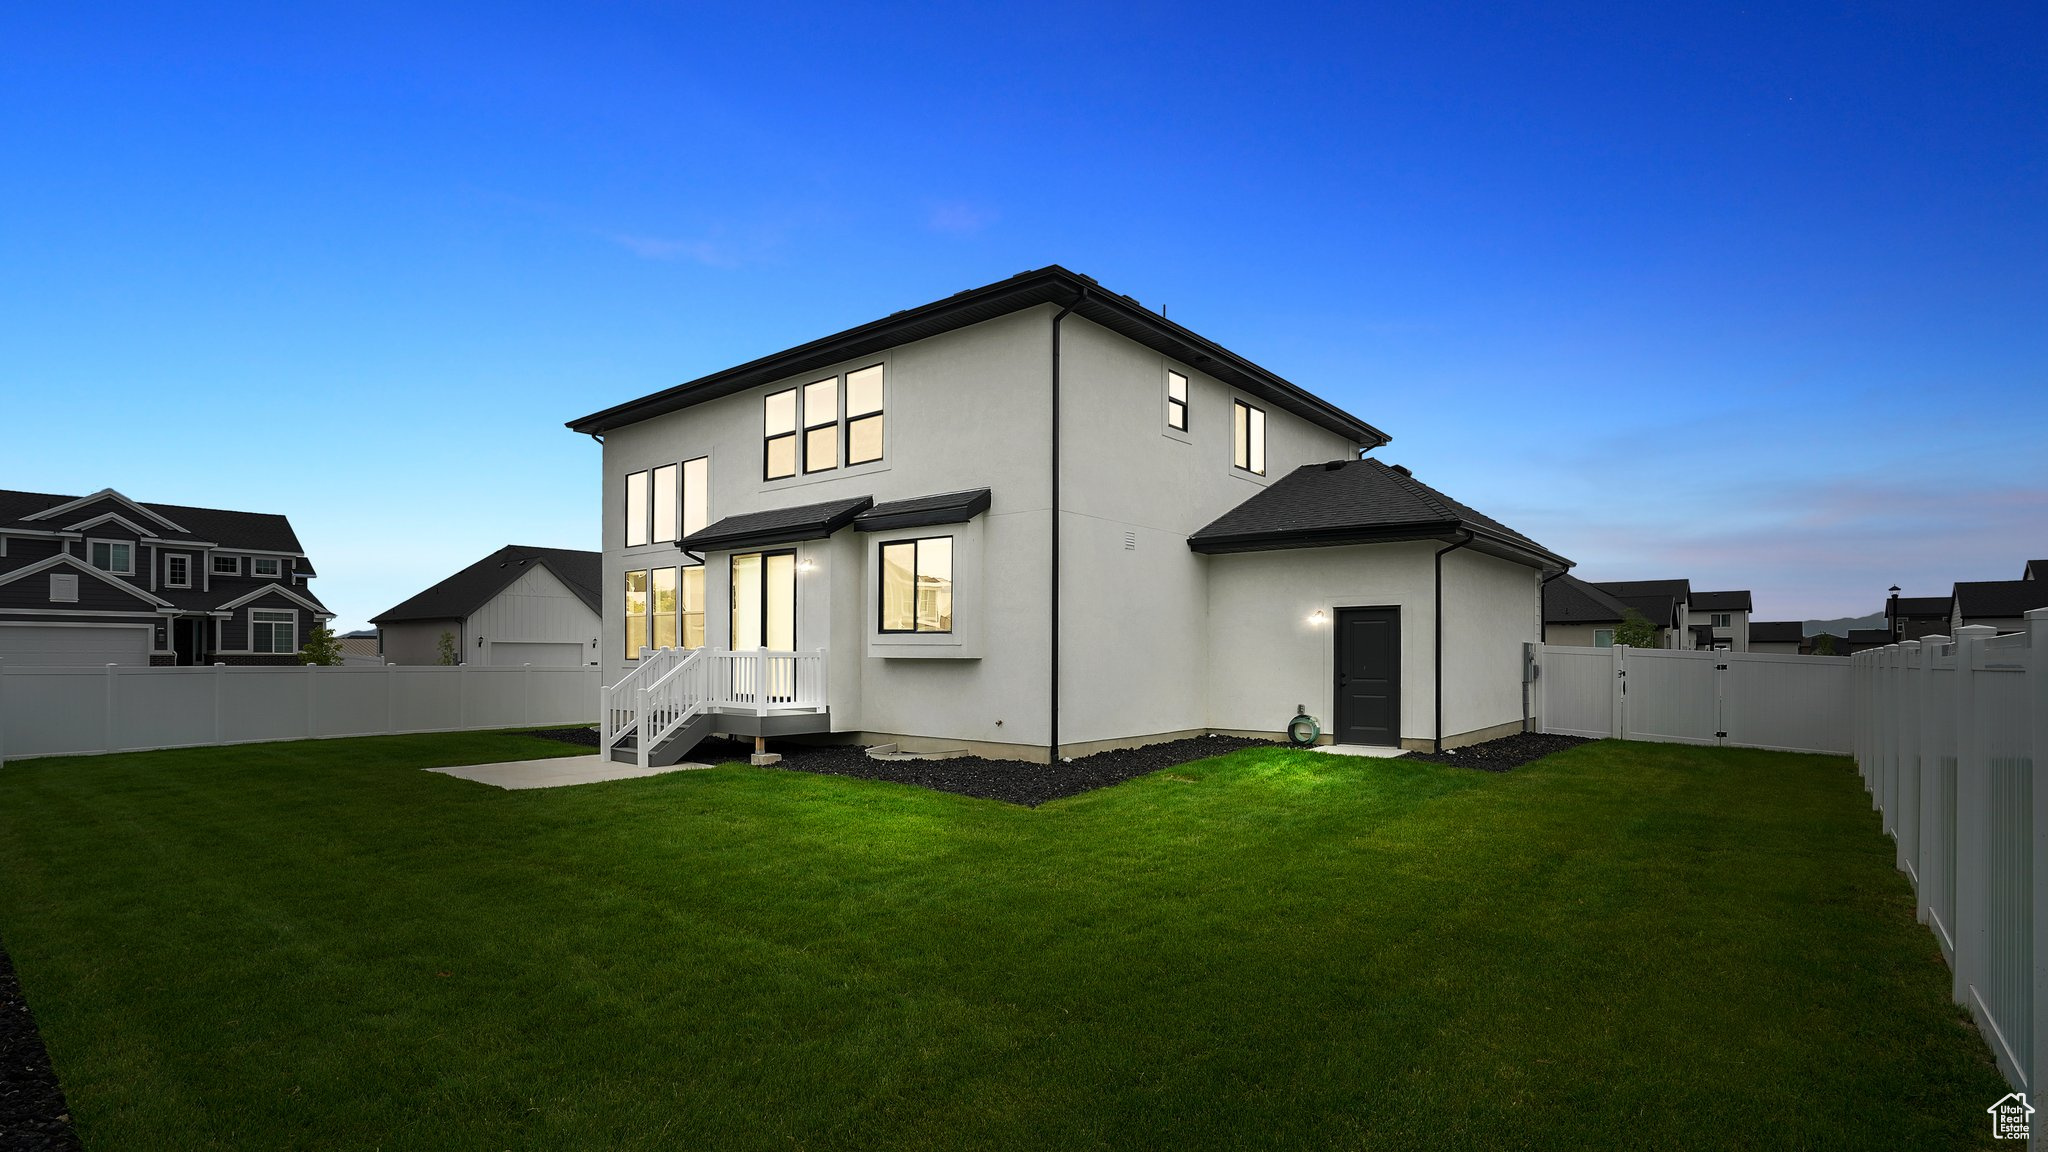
1841	625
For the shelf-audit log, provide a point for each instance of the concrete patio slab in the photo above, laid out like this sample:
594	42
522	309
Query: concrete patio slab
1374	750
559	772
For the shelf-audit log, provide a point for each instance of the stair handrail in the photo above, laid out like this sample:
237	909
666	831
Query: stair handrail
679	696
619	704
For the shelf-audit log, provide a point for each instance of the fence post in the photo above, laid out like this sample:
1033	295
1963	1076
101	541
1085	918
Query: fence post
107	721
1973	824
526	693
1906	793
1618	685
1928	841
310	729
2037	703
3	712
390	697
218	672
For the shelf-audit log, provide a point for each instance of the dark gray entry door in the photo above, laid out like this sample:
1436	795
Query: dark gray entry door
1368	676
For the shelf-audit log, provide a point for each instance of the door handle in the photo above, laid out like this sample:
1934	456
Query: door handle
1343	680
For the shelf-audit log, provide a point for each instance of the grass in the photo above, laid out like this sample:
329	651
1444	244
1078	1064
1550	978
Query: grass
316	945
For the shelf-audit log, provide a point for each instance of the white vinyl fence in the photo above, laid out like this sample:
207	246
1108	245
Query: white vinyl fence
53	711
1734	699
1947	734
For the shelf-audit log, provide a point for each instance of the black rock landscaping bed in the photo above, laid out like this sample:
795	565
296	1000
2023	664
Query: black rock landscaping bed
33	1117
1503	754
1011	781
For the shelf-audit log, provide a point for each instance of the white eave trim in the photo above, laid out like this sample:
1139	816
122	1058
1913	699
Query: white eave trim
67	560
115	517
266	590
107	494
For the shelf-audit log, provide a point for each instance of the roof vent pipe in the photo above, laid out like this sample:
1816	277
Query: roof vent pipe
1402	469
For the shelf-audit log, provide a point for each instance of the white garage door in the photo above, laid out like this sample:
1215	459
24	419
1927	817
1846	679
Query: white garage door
47	645
539	655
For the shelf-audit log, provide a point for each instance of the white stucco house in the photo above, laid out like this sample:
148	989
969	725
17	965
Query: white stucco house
1036	519
519	605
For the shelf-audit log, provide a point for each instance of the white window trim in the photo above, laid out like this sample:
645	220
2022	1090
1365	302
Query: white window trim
277	575
168	581
212	561
128	544
250	635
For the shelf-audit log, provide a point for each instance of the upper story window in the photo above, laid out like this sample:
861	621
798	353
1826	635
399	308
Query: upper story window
273	631
227	565
1176	401
116	556
1721	619
667	503
917	585
1248	437
265	566
178	570
840	419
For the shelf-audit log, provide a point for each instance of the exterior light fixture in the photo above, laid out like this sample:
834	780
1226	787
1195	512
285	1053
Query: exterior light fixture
1319	617
807	565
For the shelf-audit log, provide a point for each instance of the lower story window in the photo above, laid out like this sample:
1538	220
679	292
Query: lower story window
917	585
764	601
664	609
272	631
636	613
1603	638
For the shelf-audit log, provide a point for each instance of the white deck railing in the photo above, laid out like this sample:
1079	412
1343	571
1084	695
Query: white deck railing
671	687
1947	733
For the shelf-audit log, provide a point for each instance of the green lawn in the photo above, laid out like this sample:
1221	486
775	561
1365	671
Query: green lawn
316	945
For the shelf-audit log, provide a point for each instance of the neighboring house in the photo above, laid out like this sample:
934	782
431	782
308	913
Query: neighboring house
519	605
1863	639
2003	604
1781	636
360	647
1720	620
1837	644
1911	617
102	579
1666	603
1037	519
2036	570
1577	613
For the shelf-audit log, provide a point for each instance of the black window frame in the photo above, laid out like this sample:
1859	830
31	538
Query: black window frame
732	601
1179	406
794	435
1241	409
849	417
805	427
882	585
645	479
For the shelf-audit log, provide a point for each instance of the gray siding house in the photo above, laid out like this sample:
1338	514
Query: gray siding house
103	579
1036	519
519	605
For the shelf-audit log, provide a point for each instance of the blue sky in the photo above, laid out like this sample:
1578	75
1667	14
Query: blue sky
1755	297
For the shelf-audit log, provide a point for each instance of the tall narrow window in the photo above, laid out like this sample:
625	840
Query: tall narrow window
764	601
917	585
665	494
662	597
696	494
693	607
1176	401
636	614
636	509
864	415
273	631
821	425
779	420
1248	437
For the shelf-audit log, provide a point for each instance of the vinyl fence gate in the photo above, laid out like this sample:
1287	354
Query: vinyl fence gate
1734	699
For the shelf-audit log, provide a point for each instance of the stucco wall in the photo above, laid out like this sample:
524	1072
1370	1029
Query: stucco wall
1574	635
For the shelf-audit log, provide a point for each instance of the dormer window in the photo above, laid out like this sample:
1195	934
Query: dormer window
227	565
269	566
115	556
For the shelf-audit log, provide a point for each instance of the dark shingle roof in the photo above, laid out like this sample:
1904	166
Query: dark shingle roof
1570	600
1656	599
1776	631
1049	285
1998	598
263	531
1735	601
2035	570
472	588
944	508
1354	502
778	525
1919	606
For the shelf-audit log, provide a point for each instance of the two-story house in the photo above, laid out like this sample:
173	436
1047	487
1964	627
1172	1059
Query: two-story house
1720	620
1037	519
102	579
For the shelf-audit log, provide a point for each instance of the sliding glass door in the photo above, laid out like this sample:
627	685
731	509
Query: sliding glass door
764	601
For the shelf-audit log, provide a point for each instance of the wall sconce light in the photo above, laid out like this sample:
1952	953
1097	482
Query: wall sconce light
1319	617
807	565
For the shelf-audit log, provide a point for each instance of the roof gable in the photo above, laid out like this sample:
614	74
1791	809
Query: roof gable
66	560
108	494
1049	285
466	591
1732	601
2000	598
1570	600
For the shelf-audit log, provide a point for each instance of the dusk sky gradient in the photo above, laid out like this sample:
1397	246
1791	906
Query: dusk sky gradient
1756	297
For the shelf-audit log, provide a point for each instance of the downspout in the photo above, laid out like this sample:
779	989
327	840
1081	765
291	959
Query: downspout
1439	694
1542	637
1053	740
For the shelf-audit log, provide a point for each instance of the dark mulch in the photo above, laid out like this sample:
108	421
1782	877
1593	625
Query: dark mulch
33	1117
1502	754
1011	781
